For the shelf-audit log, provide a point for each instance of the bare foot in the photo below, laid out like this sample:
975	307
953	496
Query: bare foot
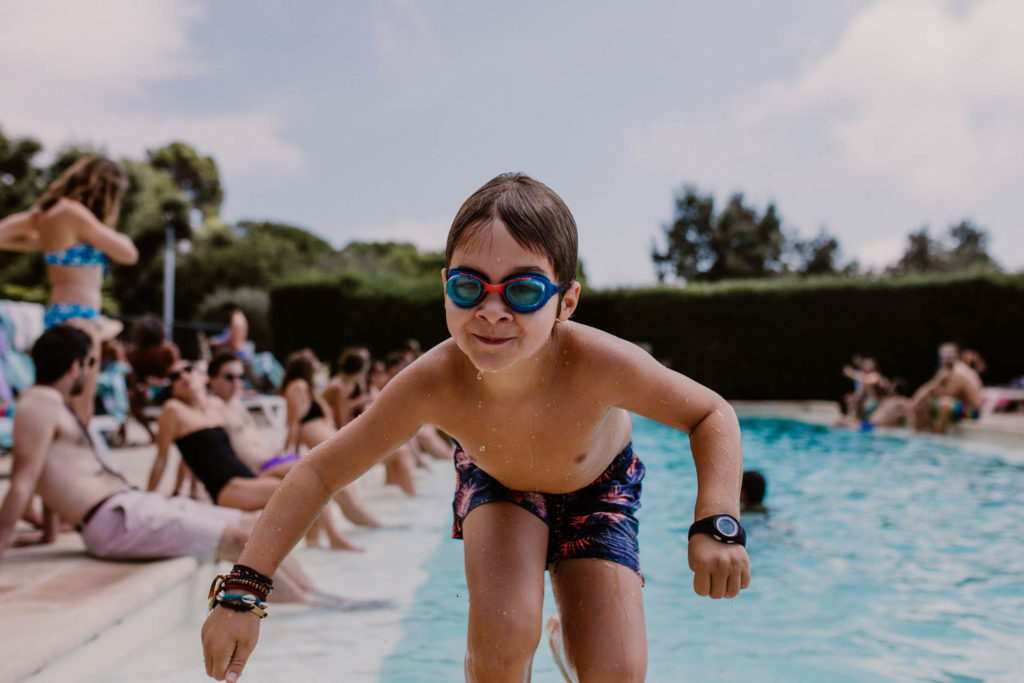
554	630
342	543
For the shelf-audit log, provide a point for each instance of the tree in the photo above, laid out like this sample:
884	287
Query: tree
819	256
964	247
20	179
970	248
734	244
197	176
21	183
151	203
251	254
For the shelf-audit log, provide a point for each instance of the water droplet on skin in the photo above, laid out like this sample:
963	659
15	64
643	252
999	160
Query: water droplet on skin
481	448
479	404
480	374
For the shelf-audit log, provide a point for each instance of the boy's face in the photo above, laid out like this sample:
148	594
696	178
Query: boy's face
490	333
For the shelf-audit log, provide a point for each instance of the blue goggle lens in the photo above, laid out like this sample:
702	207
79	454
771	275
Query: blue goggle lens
523	294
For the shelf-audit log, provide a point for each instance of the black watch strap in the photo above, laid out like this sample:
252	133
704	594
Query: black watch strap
722	528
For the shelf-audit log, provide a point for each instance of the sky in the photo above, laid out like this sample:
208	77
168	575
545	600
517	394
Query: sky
374	121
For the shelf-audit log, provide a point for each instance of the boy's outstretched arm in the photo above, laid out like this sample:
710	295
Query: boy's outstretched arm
654	391
393	418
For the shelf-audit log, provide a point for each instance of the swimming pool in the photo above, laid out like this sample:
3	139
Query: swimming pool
881	558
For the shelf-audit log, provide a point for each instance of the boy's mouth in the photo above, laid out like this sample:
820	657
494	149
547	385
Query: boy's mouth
494	341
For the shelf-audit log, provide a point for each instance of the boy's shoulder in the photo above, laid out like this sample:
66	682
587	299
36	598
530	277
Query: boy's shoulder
598	346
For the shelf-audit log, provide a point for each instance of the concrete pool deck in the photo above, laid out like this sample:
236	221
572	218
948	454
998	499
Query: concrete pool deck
59	605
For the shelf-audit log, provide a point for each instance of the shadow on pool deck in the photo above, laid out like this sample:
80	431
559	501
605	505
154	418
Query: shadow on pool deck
54	599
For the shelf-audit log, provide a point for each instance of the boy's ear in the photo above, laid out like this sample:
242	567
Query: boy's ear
444	277
570	299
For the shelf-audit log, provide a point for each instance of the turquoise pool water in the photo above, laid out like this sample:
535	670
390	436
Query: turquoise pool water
881	558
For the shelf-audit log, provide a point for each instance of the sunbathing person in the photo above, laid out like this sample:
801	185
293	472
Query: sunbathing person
54	455
870	389
151	355
308	425
953	394
348	392
399	467
226	373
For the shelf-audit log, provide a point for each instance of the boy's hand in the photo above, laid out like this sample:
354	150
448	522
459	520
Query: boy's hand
720	570
228	639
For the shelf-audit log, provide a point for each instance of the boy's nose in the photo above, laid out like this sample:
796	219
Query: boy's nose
493	308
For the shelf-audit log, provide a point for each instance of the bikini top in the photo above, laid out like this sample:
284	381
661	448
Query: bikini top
315	412
82	255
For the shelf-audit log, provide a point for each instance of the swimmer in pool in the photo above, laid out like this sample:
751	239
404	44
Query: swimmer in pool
546	475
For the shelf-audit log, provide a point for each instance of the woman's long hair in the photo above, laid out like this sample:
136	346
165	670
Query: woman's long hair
299	365
94	181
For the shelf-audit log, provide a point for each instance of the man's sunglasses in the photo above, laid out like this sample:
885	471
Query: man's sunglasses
523	293
175	375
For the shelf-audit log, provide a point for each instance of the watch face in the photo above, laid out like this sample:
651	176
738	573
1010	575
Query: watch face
727	526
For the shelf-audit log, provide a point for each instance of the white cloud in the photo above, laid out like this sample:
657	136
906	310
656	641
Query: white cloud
83	72
915	114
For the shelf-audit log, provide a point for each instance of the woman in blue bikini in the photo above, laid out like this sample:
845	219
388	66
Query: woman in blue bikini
73	224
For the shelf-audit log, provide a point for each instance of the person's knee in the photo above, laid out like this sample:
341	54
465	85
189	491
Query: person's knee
232	541
503	641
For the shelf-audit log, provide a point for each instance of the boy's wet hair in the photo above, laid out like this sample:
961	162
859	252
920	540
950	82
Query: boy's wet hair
535	216
55	351
94	181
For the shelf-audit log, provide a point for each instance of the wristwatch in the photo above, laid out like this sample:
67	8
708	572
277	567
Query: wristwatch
722	528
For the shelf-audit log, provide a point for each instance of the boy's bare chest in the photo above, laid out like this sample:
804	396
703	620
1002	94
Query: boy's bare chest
553	444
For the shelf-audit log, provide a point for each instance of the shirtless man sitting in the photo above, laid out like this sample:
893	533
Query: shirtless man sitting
954	393
226	373
54	456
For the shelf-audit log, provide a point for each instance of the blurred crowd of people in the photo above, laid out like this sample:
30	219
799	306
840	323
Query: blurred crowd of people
953	394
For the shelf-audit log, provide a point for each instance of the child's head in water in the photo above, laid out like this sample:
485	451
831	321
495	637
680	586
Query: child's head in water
752	492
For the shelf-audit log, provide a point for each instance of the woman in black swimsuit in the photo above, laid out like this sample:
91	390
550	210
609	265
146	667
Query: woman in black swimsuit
196	425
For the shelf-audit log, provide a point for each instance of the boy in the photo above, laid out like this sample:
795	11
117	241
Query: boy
546	474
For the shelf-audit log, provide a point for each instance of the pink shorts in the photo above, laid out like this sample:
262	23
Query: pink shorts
139	525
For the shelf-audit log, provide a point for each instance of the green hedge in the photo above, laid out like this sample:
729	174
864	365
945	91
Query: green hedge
747	340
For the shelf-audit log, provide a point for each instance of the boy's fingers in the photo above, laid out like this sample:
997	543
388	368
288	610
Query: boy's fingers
702	583
718	585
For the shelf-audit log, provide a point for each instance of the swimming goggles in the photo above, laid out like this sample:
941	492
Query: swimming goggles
523	293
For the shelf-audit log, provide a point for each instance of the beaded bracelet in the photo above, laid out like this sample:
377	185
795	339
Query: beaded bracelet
243	590
242	603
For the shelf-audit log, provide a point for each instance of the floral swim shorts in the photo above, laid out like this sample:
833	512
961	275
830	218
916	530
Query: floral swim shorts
596	521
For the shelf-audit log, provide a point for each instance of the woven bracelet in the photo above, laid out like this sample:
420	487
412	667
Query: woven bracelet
243	572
